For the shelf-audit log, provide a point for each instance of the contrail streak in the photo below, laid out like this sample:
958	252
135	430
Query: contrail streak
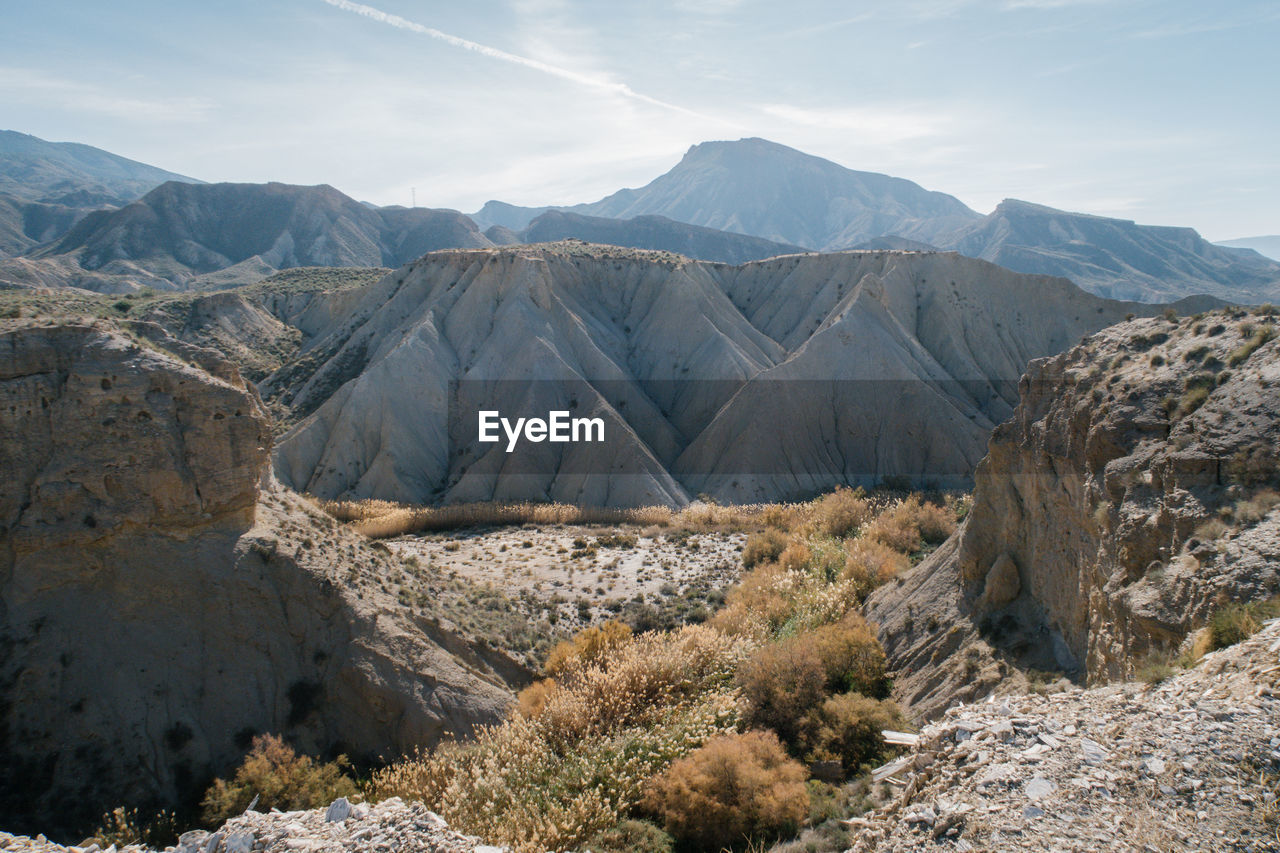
581	79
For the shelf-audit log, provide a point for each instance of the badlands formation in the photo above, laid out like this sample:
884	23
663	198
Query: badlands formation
873	364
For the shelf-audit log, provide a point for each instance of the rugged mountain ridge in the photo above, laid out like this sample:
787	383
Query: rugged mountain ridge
1129	496
164	598
884	364
757	187
1268	246
656	233
1116	258
73	174
767	190
203	236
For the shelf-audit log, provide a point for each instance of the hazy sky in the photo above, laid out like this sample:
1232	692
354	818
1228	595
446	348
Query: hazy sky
1163	112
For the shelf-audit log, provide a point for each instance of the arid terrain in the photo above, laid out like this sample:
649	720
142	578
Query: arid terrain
883	546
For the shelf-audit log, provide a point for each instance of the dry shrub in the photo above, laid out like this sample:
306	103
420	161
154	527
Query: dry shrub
771	600
794	557
847	728
763	547
910	523
1232	623
587	646
851	656
554	780
122	827
1255	508
756	605
636	683
533	699
380	519
842	512
783	681
781	516
734	788
281	779
871	563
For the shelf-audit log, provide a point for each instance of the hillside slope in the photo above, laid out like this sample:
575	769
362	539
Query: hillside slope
1184	766
878	364
164	598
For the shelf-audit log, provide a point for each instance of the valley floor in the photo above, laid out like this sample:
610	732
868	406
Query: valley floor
574	575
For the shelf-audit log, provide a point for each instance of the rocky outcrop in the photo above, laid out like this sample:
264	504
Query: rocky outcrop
164	599
1187	765
872	364
1129	496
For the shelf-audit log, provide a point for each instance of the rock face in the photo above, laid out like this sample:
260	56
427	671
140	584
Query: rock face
874	364
1130	495
163	599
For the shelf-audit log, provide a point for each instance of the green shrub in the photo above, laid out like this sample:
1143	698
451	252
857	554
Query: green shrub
281	779
1254	338
631	836
735	788
783	681
847	728
764	547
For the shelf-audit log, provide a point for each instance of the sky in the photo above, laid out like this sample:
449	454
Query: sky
1160	111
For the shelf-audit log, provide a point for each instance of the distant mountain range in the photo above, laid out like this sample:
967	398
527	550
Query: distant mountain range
191	235
651	232
1116	257
72	174
1269	245
730	202
768	190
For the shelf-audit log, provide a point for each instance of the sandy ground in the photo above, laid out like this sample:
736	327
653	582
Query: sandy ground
584	574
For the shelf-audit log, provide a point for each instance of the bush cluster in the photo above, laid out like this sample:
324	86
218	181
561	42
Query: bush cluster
280	779
735	788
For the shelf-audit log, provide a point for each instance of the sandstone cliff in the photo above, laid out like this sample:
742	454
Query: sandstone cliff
163	598
1126	499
